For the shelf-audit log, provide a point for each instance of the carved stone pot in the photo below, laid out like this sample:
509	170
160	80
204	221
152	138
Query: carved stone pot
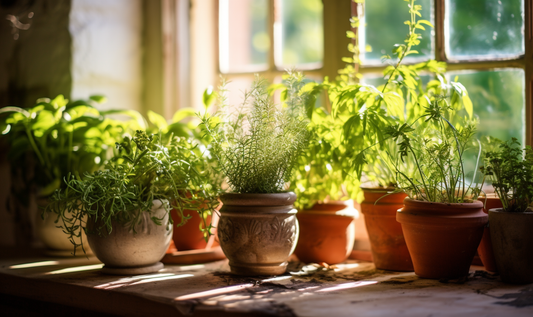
136	250
258	232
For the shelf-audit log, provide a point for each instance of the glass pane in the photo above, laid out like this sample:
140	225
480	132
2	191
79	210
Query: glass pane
301	33
499	103
498	98
383	26
243	35
484	28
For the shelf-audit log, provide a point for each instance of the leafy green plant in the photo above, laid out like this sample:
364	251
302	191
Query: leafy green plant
319	175
144	169
510	168
438	149
257	144
62	137
404	97
185	125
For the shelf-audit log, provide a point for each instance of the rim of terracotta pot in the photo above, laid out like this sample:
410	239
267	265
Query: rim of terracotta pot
254	199
501	211
377	189
426	207
343	208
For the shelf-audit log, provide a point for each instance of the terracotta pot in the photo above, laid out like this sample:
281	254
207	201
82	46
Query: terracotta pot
512	241
327	232
258	232
133	250
485	246
442	238
189	236
389	250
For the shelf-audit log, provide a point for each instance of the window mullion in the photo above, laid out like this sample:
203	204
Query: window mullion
440	34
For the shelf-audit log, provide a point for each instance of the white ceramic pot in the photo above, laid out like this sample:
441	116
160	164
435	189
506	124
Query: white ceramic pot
133	250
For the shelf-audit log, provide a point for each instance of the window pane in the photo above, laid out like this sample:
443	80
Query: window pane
383	26
484	28
301	34
243	35
498	98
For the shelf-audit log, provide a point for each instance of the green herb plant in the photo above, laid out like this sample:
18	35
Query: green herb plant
510	168
257	144
319	175
370	110
143	170
62	138
185	125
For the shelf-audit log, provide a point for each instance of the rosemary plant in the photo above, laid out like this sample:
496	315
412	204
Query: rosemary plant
510	169
257	144
143	170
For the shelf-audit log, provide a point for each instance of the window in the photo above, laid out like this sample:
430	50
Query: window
267	37
484	42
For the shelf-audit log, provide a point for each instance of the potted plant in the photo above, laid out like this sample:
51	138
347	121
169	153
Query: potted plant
370	110
257	146
325	211
198	226
510	169
127	205
49	141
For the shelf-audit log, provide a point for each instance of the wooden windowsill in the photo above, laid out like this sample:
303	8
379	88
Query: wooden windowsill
209	290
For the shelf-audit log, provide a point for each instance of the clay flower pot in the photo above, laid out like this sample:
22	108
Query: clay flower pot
327	232
442	238
258	232
512	241
133	251
389	250
485	250
189	236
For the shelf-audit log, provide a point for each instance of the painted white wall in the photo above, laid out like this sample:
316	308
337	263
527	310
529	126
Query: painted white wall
107	51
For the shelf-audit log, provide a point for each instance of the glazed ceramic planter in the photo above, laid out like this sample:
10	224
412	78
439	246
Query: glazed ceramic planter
485	249
133	250
327	232
389	250
258	232
512	241
442	238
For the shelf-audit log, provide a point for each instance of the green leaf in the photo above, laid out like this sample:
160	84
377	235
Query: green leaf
182	114
98	98
349	124
157	120
209	97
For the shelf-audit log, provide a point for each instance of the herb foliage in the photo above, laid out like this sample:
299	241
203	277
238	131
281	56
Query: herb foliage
510	168
144	170
258	143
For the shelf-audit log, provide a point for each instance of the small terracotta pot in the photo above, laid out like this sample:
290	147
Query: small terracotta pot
258	232
485	246
327	232
442	238
512	241
189	236
389	250
133	250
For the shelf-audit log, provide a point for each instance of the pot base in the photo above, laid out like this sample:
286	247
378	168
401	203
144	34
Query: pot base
259	269
132	270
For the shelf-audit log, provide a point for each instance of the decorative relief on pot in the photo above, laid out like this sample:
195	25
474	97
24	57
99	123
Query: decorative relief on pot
273	230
